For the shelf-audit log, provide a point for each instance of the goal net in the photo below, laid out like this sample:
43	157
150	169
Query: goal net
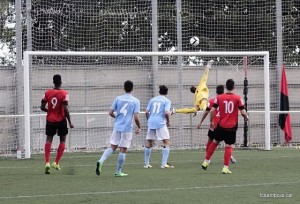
94	79
137	25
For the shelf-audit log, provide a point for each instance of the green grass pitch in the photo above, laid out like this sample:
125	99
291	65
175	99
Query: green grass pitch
258	177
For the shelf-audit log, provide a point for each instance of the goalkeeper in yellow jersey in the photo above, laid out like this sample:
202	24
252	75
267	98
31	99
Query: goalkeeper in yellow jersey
201	93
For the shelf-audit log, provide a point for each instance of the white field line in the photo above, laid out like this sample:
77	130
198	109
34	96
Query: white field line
150	190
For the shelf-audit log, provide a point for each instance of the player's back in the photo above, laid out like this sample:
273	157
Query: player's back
157	107
55	99
125	106
210	103
228	109
216	113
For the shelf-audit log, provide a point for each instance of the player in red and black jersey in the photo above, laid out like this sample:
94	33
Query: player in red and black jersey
58	115
211	132
229	105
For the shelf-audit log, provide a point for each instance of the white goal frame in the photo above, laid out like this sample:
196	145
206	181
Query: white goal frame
26	67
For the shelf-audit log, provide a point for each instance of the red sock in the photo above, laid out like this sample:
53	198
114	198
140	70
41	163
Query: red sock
208	144
47	152
227	155
211	149
60	152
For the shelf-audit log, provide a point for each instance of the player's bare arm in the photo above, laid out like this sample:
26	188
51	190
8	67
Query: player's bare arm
244	114
167	115
43	106
111	113
67	114
211	116
147	114
202	119
137	122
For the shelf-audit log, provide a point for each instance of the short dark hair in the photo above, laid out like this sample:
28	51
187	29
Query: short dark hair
229	84
163	90
220	89
57	80
193	89
128	86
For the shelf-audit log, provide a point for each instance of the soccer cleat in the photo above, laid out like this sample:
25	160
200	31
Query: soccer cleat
205	165
98	168
225	170
55	166
209	63
47	168
148	166
172	111
120	174
232	160
167	166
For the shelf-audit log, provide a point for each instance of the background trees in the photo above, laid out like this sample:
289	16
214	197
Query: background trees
121	25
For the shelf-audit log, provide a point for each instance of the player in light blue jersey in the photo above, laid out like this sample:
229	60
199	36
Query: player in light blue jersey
124	109
158	116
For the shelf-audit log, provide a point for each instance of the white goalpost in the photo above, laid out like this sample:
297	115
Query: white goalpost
93	79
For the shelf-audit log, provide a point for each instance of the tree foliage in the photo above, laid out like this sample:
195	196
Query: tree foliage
124	25
7	33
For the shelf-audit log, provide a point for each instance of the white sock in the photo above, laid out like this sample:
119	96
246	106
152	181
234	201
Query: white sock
107	153
165	155
147	153
120	163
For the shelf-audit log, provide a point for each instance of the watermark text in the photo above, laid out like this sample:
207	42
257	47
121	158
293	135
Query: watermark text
276	195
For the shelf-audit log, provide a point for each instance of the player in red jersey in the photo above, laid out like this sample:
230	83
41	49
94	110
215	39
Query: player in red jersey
229	105
57	117
211	133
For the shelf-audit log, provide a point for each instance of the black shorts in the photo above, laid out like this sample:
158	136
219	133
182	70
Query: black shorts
228	135
59	128
211	134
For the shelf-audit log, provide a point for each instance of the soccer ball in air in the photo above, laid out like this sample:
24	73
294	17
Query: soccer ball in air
194	41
